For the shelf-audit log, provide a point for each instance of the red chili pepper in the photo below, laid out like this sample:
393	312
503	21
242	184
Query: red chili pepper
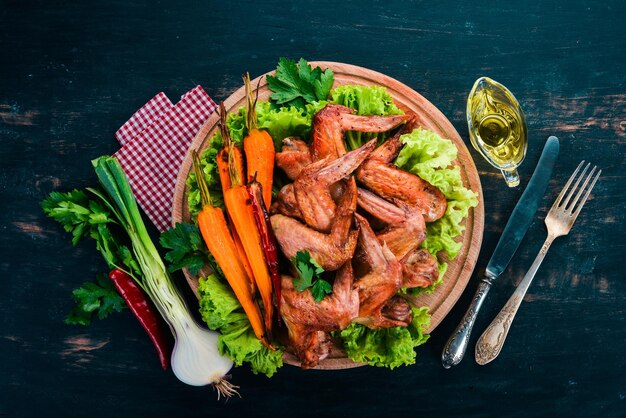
268	240
145	312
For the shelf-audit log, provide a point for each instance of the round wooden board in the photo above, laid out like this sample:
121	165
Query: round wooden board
459	270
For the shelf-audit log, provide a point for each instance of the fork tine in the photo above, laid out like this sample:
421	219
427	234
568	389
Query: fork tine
584	199
574	202
557	202
574	188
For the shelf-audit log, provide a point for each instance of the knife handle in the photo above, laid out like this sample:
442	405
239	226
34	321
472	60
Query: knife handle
454	350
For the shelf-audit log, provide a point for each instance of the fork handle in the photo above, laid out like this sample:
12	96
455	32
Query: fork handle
491	341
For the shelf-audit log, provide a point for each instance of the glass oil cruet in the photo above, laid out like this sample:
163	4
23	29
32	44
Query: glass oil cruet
497	127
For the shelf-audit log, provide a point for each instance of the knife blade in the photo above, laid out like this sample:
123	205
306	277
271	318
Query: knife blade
514	231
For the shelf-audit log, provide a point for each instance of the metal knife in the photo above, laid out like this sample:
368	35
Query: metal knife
515	229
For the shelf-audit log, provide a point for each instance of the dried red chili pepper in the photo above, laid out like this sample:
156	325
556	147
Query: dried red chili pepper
268	240
145	312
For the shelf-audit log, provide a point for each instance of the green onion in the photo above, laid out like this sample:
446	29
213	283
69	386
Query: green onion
195	359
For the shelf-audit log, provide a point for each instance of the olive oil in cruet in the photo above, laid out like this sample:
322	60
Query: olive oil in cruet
497	127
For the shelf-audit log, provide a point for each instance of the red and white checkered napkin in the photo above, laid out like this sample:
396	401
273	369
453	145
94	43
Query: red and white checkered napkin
143	118
154	143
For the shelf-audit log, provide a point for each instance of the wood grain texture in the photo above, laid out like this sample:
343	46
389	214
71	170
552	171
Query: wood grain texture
429	117
73	72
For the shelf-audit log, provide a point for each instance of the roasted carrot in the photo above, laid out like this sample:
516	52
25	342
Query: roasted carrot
240	211
270	247
230	156
243	258
223	164
258	147
212	225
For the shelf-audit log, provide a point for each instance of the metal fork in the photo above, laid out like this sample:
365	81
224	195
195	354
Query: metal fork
559	222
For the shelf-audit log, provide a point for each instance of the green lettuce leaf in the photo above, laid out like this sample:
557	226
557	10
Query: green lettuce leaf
208	164
366	100
387	347
222	312
286	121
424	151
236	123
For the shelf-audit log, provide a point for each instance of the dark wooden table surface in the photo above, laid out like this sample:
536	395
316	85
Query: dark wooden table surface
73	72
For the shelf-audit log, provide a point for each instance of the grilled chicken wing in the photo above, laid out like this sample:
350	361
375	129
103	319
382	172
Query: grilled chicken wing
294	156
406	227
380	284
419	269
331	250
379	207
381	176
308	322
398	310
318	188
286	203
330	123
405	236
312	187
